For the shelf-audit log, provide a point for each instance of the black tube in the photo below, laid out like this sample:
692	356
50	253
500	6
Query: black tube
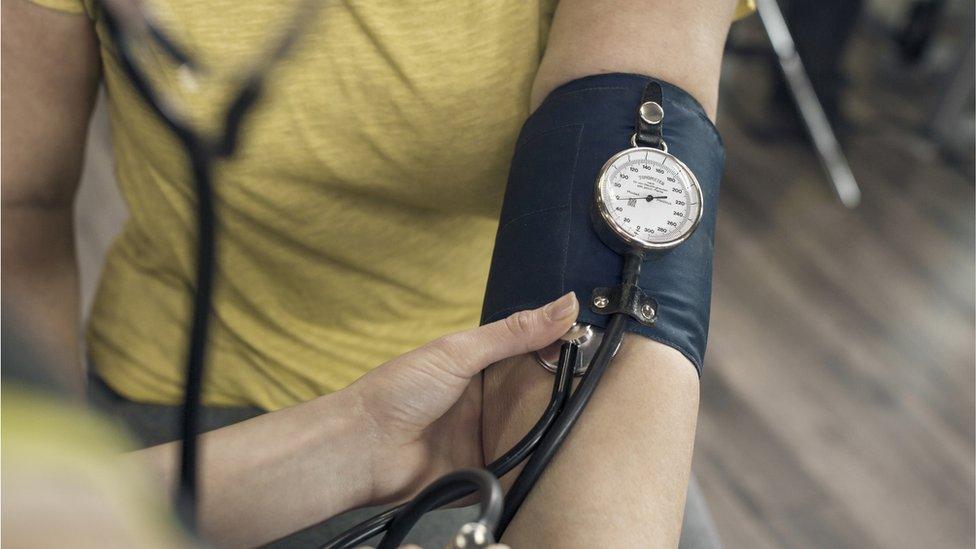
490	492
561	387
170	47
247	96
200	160
564	423
197	351
568	355
560	429
202	155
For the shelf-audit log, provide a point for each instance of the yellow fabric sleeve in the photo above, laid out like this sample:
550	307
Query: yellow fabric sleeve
66	6
745	7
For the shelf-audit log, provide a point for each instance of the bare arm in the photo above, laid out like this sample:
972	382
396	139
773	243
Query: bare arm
379	440
49	81
679	42
277	473
621	477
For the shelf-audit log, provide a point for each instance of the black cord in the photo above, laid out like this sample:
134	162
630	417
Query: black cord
562	384
202	155
489	490
170	47
557	434
560	429
561	387
187	493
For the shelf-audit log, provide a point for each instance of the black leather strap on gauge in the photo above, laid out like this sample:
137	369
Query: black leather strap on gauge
648	132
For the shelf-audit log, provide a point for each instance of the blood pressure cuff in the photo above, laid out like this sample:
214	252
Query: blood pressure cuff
546	245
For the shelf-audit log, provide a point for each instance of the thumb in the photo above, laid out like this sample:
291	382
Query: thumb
520	333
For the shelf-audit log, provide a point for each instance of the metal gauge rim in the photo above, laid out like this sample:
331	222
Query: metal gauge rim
601	182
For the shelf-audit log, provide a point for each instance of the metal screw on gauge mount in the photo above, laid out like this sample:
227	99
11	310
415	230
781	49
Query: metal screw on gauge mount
601	301
647	311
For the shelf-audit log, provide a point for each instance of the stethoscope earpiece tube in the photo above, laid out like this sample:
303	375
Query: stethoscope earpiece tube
562	385
432	497
202	151
557	434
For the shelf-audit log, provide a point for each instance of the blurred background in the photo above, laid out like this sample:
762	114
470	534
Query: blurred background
837	406
838	397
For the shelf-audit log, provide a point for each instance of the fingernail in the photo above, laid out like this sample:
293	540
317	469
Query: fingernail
561	308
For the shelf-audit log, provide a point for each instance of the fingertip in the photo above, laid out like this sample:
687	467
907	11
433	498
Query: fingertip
563	309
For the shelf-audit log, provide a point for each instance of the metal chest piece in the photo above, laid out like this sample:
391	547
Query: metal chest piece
470	536
585	336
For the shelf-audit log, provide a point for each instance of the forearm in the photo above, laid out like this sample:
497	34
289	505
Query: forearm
277	473
40	280
620	479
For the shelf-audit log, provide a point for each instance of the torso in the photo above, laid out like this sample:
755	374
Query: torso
356	221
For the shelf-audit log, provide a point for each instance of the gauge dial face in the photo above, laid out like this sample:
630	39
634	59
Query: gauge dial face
649	198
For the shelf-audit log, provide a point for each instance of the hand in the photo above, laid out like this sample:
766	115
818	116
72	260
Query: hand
422	410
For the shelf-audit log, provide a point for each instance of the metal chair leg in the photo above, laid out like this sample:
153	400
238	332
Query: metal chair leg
811	111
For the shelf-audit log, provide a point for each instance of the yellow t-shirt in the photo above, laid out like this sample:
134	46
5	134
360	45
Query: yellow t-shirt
357	219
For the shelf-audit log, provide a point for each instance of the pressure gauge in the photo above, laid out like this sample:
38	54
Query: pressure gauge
648	199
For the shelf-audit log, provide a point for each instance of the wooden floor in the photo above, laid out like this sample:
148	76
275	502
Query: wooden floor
837	406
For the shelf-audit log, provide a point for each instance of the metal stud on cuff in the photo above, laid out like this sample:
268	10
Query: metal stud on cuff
651	112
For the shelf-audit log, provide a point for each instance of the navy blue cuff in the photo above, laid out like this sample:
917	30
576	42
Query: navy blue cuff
546	245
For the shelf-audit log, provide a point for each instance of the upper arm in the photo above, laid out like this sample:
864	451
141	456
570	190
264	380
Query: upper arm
679	42
50	75
620	478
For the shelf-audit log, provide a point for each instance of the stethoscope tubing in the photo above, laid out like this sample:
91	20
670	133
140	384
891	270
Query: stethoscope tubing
560	429
561	388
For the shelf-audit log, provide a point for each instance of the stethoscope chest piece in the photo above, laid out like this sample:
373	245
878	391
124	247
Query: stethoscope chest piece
587	339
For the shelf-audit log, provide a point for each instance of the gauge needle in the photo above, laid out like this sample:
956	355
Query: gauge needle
647	198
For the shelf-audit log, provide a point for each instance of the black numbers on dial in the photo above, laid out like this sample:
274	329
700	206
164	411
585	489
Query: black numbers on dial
649	198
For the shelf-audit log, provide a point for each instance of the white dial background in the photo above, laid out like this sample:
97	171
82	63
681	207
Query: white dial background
650	196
